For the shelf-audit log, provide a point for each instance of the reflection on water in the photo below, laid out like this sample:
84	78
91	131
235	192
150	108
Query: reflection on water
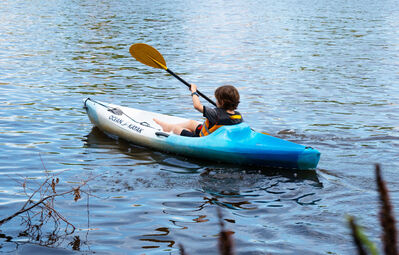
312	72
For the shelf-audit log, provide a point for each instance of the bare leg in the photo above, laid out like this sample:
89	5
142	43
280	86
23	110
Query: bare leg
167	127
190	125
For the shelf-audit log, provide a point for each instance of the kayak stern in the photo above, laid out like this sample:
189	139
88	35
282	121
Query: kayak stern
308	159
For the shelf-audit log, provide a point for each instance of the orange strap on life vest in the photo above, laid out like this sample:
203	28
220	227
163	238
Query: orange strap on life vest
206	130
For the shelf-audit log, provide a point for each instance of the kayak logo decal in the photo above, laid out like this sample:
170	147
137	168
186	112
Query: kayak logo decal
124	124
116	119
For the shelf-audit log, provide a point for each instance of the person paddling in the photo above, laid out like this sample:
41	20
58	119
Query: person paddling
227	97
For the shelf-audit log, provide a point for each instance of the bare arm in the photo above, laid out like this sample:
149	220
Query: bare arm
196	101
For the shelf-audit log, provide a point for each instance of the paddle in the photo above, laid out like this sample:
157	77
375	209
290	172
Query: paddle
151	57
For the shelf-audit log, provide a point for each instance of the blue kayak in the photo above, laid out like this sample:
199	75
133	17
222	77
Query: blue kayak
236	144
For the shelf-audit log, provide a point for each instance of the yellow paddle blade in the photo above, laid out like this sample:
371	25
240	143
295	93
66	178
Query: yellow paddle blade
147	55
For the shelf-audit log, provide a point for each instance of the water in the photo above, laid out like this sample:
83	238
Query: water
319	73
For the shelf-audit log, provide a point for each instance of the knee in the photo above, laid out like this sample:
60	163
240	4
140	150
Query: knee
177	130
193	123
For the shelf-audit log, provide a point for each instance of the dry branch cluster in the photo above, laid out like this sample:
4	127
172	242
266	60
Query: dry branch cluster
40	210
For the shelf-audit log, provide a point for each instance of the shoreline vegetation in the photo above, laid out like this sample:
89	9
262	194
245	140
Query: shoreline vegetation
40	210
387	220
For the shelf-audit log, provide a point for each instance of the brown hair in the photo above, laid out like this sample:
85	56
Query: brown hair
228	97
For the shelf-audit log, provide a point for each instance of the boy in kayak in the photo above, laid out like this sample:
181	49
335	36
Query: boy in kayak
227	100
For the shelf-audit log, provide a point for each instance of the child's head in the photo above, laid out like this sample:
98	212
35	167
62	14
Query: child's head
227	97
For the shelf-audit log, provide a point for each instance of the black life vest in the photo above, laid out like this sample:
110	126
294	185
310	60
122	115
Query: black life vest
224	119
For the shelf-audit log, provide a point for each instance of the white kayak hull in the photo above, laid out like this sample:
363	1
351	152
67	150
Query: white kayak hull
237	144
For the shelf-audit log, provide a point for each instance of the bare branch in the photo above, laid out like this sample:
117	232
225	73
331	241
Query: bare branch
387	219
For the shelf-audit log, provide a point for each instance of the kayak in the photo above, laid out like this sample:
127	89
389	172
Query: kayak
235	144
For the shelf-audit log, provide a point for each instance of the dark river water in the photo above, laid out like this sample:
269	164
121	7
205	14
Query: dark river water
319	73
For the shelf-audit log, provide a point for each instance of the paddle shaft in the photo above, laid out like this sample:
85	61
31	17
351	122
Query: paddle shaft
189	86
